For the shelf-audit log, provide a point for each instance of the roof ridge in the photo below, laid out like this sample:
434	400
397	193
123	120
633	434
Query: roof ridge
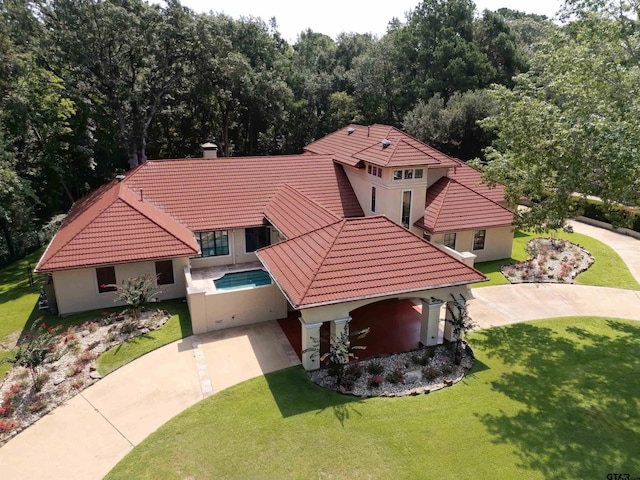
304	294
443	192
160	210
322	207
106	191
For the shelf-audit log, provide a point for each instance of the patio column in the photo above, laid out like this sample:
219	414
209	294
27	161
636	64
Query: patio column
448	329
338	326
310	340
430	322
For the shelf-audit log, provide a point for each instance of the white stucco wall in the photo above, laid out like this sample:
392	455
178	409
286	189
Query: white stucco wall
77	290
233	308
237	251
498	243
388	193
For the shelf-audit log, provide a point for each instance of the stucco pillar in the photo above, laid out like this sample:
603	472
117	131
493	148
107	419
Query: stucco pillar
338	326
430	322
310	340
448	328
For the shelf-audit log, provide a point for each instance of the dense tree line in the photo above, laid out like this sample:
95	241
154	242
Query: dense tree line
89	88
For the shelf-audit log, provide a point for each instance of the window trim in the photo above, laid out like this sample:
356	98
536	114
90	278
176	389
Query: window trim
245	239
410	208
455	240
173	272
115	276
198	236
484	239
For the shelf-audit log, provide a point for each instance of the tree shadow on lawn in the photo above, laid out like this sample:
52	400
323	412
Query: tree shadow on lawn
294	393
579	393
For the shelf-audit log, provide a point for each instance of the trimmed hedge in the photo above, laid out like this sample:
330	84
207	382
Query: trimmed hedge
617	216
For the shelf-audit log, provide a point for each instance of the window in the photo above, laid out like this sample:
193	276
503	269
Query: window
369	168
213	244
406	208
373	199
380	172
164	272
397	174
417	173
375	171
478	239
408	174
255	238
106	276
450	240
426	236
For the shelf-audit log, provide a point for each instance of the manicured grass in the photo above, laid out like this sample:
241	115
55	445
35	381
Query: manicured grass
19	309
178	326
550	399
608	270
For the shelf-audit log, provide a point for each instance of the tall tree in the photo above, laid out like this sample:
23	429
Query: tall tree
125	55
570	124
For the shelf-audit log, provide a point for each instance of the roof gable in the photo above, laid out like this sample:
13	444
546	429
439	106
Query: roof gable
114	225
355	144
452	206
293	213
472	178
358	257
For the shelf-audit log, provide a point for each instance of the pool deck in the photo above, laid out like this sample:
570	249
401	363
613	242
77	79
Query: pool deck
203	277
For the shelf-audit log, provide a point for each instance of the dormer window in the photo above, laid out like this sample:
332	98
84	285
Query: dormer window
397	174
408	174
375	171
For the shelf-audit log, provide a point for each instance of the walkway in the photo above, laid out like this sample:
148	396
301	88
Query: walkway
88	435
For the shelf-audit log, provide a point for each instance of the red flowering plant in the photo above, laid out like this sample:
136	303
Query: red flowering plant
136	292
37	349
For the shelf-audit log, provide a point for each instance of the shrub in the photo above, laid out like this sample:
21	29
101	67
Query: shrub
375	368
422	358
397	376
6	425
37	404
447	369
136	292
430	373
374	381
352	373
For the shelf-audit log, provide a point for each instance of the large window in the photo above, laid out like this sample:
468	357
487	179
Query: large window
478	239
106	276
256	238
373	199
213	244
406	208
450	240
164	272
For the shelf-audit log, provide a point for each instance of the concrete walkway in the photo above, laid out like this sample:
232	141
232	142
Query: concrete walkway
88	435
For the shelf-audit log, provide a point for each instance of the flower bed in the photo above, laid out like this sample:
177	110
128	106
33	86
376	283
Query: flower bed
552	261
22	402
410	373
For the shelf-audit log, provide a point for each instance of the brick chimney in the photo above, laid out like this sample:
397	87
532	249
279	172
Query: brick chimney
209	150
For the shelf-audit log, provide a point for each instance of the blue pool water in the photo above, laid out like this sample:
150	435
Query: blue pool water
234	280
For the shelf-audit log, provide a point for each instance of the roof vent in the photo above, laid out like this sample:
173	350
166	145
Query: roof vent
386	142
120	177
350	130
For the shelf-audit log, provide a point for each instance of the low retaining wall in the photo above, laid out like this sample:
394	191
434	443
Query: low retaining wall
608	226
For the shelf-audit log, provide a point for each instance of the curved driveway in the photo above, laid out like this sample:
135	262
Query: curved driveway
92	432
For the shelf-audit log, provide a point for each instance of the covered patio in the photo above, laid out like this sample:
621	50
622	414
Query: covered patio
362	272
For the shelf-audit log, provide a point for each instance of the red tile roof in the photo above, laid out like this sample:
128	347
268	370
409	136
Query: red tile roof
113	225
452	206
360	258
355	144
227	193
293	213
472	178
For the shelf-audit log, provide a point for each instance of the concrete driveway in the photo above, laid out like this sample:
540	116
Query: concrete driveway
87	436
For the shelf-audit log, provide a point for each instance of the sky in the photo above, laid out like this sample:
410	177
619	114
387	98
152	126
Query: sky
332	17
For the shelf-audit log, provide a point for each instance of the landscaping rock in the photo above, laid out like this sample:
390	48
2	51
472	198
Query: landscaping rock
412	376
94	375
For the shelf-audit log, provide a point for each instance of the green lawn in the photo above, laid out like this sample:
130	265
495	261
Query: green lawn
19	309
553	399
608	269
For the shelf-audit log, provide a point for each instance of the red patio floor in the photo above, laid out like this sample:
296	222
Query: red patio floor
394	324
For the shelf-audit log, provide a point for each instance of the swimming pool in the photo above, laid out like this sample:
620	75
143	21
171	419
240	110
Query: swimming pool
247	279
